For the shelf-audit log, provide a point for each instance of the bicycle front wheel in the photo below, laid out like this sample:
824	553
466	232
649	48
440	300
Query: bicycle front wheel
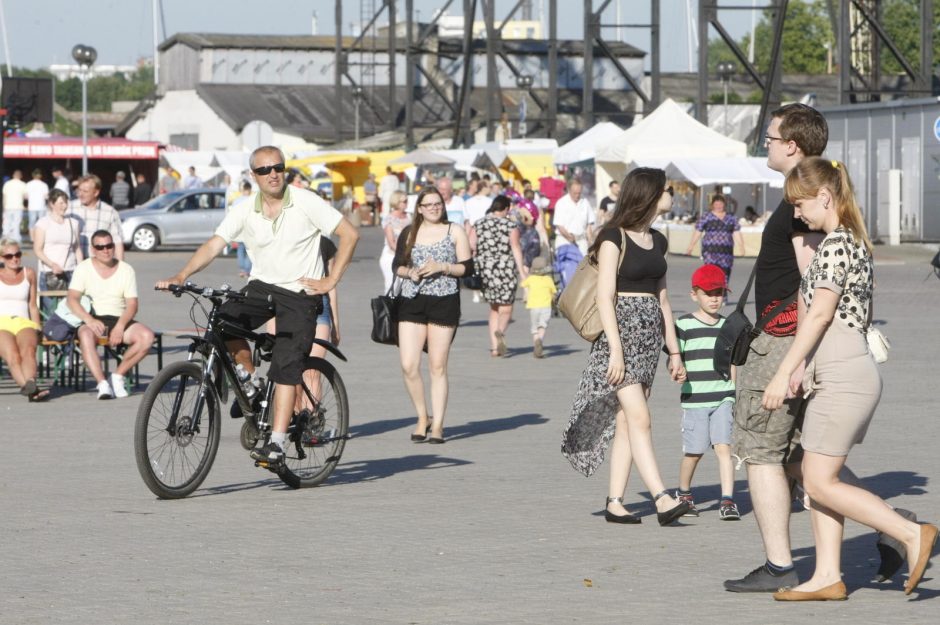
319	427
177	433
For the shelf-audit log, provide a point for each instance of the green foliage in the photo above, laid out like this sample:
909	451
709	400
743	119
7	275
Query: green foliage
901	19
102	90
806	33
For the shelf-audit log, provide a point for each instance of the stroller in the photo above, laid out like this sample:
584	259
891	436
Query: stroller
567	258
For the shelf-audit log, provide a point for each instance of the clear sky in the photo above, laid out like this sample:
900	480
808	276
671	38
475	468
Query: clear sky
42	32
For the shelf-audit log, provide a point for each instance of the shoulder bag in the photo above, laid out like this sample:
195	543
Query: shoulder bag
385	317
737	332
878	343
578	302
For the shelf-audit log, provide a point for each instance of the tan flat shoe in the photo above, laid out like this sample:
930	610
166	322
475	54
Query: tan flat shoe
834	592
928	537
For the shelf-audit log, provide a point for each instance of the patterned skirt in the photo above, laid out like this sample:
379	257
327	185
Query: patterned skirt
593	415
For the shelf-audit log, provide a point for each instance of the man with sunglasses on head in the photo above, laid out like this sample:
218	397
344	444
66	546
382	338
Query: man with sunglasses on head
92	215
111	284
281	228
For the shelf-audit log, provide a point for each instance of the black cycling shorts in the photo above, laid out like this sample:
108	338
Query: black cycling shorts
296	317
438	310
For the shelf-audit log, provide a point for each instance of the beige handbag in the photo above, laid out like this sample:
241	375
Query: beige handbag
578	302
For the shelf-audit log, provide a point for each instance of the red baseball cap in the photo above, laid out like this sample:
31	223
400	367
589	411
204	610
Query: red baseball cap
710	278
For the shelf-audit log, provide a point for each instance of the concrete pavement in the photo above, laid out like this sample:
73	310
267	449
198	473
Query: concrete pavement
492	527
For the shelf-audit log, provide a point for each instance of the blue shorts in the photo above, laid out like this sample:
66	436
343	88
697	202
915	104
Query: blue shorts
706	427
325	318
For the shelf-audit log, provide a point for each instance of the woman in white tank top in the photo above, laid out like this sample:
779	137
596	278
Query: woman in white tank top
19	320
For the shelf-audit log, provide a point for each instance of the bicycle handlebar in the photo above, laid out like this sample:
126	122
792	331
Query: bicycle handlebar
205	291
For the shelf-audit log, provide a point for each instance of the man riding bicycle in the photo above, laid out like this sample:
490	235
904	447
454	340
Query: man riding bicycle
281	229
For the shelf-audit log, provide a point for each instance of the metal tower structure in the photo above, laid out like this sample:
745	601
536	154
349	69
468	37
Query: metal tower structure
362	53
594	26
863	40
768	83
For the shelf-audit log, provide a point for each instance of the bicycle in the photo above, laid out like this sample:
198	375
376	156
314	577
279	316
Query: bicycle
176	435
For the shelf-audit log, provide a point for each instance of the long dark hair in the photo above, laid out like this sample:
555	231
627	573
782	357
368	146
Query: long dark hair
419	219
639	194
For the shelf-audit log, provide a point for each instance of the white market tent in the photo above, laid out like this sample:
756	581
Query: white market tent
705	171
665	135
584	146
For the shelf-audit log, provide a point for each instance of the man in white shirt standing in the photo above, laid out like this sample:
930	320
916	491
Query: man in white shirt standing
452	204
37	193
387	185
281	227
61	182
14	201
475	208
574	218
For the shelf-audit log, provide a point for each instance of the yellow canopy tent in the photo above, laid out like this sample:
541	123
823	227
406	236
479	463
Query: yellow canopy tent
347	169
531	166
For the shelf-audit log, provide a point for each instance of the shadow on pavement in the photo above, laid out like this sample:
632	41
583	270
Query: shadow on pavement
473	428
370	470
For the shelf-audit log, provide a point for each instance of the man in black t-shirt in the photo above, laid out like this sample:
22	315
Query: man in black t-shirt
768	441
609	203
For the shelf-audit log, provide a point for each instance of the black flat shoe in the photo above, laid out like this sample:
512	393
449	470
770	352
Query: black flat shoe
892	552
433	440
673	514
420	438
626	519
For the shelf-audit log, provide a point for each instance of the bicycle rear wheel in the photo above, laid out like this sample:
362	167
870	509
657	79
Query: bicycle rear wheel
319	427
174	454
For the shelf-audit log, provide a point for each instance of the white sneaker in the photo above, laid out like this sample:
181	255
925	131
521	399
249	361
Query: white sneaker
104	390
476	297
117	383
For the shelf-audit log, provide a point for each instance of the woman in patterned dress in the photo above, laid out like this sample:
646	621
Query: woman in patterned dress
841	380
611	402
431	255
499	262
719	232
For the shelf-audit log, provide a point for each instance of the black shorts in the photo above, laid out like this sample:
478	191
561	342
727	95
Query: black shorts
110	321
438	310
295	315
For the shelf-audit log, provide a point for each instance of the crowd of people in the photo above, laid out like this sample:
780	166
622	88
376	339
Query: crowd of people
791	412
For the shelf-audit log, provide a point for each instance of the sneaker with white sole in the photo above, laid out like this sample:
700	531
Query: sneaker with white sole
104	390
728	511
117	385
687	498
271	453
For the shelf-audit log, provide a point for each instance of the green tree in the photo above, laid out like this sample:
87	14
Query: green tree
901	20
102	90
807	35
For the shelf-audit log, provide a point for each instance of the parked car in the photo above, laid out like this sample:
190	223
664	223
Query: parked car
183	217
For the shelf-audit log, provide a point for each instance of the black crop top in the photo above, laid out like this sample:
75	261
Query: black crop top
641	268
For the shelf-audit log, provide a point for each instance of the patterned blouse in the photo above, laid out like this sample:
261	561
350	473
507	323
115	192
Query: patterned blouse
844	266
444	251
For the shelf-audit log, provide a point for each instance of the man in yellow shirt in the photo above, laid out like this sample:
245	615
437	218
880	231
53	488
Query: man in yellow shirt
112	286
281	228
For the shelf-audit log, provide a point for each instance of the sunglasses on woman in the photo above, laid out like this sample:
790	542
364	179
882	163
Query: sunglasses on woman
12	256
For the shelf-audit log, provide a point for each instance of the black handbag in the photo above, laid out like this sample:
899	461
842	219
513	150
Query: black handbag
385	317
737	332
56	281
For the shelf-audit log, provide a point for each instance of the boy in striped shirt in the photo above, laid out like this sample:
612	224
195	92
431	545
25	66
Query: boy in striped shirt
707	400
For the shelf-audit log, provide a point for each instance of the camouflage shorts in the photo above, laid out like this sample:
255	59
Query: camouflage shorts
762	436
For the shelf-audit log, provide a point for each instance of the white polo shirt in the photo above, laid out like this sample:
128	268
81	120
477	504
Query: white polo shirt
287	248
574	217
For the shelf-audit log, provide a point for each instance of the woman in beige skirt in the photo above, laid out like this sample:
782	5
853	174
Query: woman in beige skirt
841	381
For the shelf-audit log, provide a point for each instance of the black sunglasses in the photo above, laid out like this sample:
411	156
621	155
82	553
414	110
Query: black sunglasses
106	246
12	256
670	190
267	169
